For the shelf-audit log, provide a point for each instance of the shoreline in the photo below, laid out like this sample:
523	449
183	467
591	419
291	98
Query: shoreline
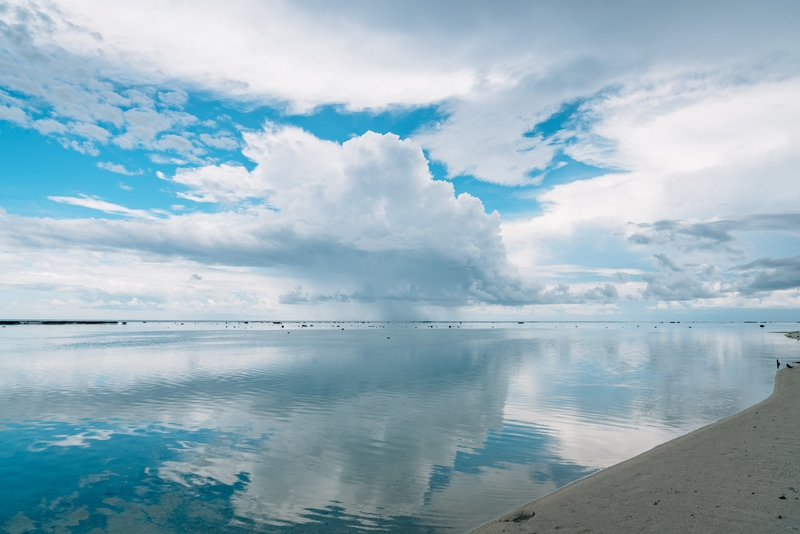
740	474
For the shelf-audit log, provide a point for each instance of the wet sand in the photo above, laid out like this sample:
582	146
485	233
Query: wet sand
740	474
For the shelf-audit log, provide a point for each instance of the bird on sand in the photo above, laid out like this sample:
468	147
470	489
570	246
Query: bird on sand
789	366
779	363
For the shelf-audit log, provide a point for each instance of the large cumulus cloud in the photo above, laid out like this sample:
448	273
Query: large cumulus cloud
363	220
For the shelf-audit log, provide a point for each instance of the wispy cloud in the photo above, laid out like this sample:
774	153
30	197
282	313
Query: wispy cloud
95	203
117	168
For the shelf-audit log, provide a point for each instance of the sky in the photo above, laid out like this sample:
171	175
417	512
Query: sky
456	160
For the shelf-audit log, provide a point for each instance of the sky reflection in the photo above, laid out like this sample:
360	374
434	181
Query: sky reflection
387	428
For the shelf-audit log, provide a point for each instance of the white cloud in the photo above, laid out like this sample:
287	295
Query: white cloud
478	140
698	130
91	131
224	182
307	53
709	123
373	198
501	70
177	143
275	51
174	99
117	168
8	113
67	282
709	153
85	147
162	160
49	126
223	141
358	222
101	205
679	284
82	100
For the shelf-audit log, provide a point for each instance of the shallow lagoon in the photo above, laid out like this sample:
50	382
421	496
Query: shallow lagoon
399	427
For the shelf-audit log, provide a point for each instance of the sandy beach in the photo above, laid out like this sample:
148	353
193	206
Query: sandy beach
740	474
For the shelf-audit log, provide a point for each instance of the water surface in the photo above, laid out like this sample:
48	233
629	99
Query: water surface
396	427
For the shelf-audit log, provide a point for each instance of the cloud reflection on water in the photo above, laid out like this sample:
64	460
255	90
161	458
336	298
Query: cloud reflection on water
431	428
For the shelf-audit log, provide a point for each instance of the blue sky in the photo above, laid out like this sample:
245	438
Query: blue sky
291	160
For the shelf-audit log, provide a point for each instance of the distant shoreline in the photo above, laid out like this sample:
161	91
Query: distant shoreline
740	474
7	322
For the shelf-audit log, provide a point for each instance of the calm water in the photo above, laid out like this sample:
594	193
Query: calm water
165	427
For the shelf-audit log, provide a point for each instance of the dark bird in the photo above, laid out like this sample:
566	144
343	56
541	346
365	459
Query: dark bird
779	363
789	366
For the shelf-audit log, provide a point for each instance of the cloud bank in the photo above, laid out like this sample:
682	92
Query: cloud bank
362	221
653	140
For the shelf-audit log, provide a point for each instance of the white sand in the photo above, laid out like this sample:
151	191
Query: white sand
727	477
